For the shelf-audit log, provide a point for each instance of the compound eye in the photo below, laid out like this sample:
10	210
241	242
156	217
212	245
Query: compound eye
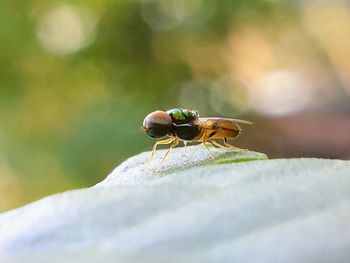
157	124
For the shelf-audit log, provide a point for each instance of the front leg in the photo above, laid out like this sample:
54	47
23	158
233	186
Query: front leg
172	144
163	142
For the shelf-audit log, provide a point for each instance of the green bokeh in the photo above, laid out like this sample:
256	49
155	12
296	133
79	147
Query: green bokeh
67	120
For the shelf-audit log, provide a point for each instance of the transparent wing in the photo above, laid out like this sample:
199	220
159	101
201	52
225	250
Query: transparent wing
217	122
216	127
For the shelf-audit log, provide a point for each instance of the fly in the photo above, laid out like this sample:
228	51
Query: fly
186	125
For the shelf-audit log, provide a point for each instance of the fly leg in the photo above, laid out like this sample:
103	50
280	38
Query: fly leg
172	144
226	145
204	138
167	141
185	144
233	148
209	152
217	144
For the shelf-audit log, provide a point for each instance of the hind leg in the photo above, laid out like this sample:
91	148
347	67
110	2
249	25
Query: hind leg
233	148
209	152
204	138
214	143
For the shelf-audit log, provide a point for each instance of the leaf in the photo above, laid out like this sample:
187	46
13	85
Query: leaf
239	207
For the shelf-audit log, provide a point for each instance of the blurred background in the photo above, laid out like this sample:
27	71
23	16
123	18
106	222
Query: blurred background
78	77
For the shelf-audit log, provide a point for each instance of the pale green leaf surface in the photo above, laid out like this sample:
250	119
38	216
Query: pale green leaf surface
239	207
